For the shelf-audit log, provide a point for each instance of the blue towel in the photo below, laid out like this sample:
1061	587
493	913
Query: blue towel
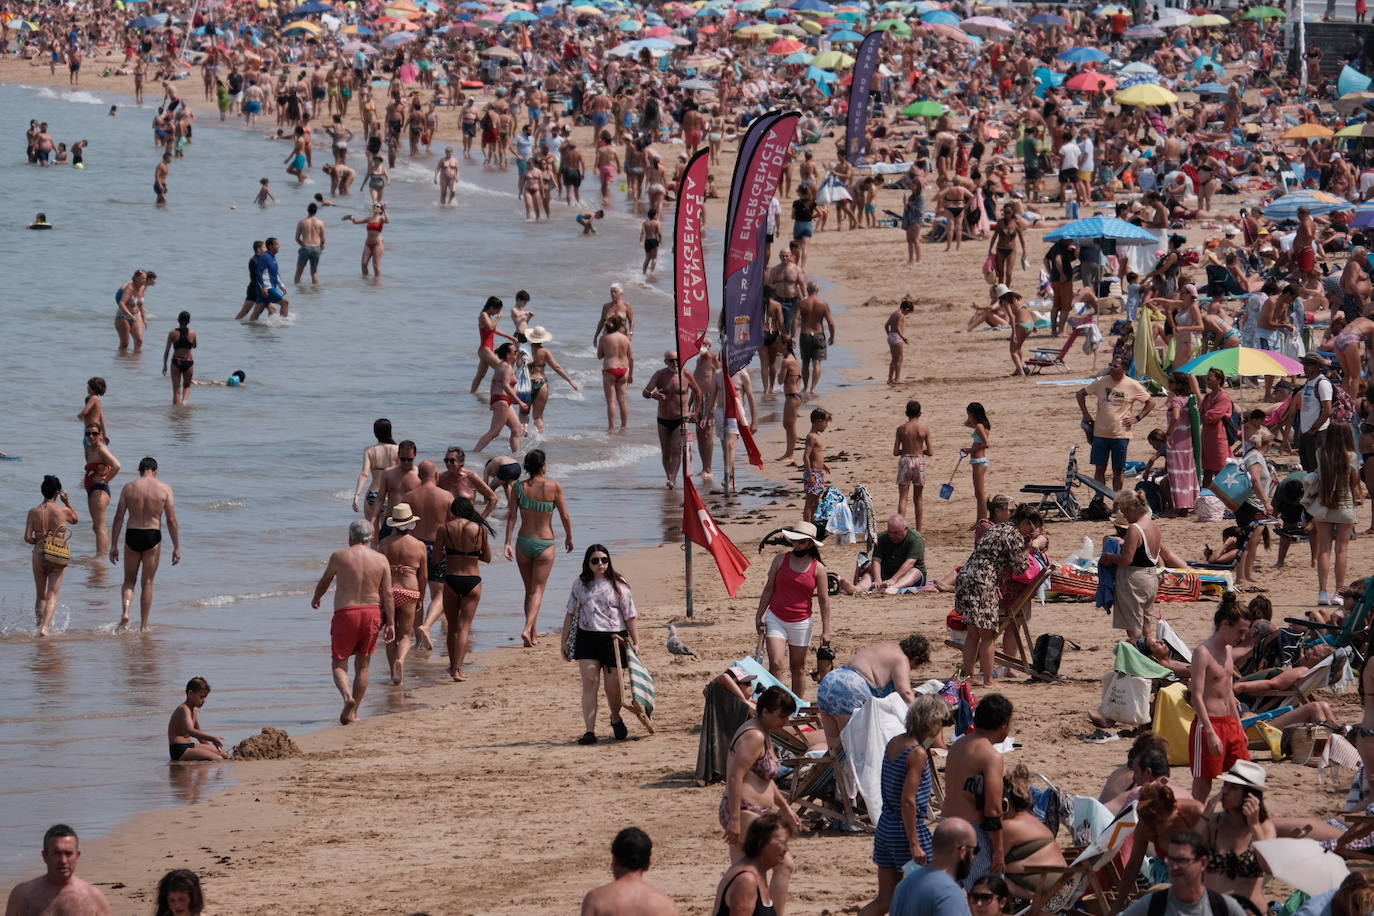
1106	575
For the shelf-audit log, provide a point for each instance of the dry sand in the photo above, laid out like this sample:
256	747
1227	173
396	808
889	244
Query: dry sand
480	802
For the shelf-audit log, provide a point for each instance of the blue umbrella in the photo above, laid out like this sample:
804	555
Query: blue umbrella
473	5
1364	216
149	22
709	11
1047	19
1351	80
846	35
775	14
364	30
520	16
396	39
1084	56
656	44
314	6
940	17
814	6
1211	89
1136	79
624	25
1316	202
1103	227
548	11
821	77
798	57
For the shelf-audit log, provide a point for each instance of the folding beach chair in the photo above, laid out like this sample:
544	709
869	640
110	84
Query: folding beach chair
1079	887
1015	623
1319	678
636	685
1046	359
1361	828
1059	497
1351	633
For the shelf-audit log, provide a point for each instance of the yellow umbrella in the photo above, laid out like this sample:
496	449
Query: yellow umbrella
1307	132
832	60
1209	21
1145	94
757	31
301	25
811	26
586	11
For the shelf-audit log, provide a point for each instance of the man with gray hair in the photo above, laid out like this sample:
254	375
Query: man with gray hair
899	561
362	608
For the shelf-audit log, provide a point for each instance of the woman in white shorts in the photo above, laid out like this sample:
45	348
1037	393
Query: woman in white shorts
784	615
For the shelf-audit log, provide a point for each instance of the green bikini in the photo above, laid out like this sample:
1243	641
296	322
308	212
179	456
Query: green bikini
532	547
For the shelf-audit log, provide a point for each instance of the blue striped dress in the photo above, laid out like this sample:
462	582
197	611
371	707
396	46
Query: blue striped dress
891	848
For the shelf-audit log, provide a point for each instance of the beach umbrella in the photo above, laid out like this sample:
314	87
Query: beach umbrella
1362	129
1351	102
986	25
585	10
1209	21
940	17
1210	89
1364	216
1139	66
697	85
1104	227
155	21
1351	80
1303	864
799	58
1047	19
812	6
822	78
1110	9
1265	12
791	28
1243	361
924	109
701	62
1146	94
1171	17
785	46
1307	132
758	30
353	47
303	25
775	14
707	12
658	31
809	27
831	60
499	51
1316	202
949	31
921	7
395	39
523	16
1084	56
473	6
751	6
1091	81
624	25
893	25
1144	31
845	36
314	6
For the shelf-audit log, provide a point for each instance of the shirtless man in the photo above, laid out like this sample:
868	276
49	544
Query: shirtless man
607	165
629	894
878	668
679	401
430	503
1304	252
396	482
790	379
617	306
459	481
252	102
815	472
570	168
973	773
362	607
707	375
788	283
160	177
145	501
297	160
911	446
813	316
773	321
617	370
446	177
1216	739
59	892
310	238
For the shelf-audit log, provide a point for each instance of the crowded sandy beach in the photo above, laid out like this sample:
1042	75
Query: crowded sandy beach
1047	595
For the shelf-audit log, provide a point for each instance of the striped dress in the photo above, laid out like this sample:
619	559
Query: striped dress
891	848
1178	456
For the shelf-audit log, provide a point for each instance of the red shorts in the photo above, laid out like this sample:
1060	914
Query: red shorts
693	139
1307	259
353	631
1234	746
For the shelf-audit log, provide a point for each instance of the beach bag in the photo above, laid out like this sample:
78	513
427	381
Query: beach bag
1125	698
1307	743
1209	508
1342	408
56	548
1232	485
1049	649
990	269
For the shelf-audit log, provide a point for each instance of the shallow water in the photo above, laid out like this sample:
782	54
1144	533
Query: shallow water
263	474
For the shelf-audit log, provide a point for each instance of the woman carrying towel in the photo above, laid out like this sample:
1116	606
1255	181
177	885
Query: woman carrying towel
1137	577
600	608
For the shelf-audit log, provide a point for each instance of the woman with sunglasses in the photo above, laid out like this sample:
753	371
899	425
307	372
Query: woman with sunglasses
989	897
101	468
600	608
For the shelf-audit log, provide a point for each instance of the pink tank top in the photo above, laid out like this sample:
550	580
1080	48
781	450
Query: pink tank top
792	591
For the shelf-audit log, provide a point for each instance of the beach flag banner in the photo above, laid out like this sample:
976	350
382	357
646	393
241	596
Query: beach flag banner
860	98
757	172
691	298
701	529
734	411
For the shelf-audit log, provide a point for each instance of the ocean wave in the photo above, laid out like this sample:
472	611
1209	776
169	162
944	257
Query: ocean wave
468	187
225	505
228	600
621	457
70	95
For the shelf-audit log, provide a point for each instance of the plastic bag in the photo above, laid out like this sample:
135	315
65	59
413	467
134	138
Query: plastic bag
1083	554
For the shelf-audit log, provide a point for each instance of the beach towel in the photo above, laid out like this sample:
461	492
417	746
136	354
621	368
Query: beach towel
764	680
865	739
1173	717
1130	660
636	685
721	716
1106	574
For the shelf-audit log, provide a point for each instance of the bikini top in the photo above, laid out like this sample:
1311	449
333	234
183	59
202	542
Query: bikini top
532	505
184	342
1142	556
760	908
374	227
1234	865
767	766
449	551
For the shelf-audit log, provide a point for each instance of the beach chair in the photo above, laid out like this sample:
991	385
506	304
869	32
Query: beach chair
1047	359
636	685
1319	678
1082	886
1015	623
815	788
1057	497
1350	634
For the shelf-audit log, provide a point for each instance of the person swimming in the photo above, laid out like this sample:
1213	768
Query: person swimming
40	221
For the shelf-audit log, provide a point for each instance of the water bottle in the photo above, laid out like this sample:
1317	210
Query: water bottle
1073	209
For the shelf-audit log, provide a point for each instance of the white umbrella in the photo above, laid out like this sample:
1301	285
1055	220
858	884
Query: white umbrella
1303	864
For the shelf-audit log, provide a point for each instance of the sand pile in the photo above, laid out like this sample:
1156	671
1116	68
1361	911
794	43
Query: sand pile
270	744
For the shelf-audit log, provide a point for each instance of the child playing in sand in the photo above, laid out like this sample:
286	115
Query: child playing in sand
183	731
585	221
815	472
264	194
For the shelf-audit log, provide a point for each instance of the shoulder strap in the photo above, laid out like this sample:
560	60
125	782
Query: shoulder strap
1159	901
1217	902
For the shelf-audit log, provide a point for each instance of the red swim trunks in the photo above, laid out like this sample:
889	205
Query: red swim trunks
617	373
1307	259
693	139
1234	746
353	631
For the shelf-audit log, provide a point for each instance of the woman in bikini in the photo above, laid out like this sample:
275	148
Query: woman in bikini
377	179
503	400
1021	330
1006	232
128	320
541	361
1352	345
180	343
373	246
465	541
1234	867
744	889
897	340
101	468
536	500
339	135
487	332
376	459
751	768
46	519
407	556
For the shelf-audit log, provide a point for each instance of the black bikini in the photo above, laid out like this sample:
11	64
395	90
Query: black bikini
462	585
760	908
184	342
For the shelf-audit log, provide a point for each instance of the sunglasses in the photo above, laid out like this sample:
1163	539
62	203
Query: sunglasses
450	461
982	898
600	561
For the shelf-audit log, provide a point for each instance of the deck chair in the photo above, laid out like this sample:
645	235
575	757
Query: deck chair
764	679
1351	633
1056	497
1046	359
636	685
1319	678
1361	828
1079	887
814	788
1015	623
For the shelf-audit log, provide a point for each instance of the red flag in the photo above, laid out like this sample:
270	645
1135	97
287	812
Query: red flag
702	530
734	410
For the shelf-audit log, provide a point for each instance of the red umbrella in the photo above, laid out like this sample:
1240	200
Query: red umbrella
785	46
1091	81
658	31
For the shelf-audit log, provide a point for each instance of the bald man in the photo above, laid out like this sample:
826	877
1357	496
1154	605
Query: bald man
899	560
936	889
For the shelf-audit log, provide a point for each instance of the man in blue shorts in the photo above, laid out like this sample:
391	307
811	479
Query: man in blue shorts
1121	403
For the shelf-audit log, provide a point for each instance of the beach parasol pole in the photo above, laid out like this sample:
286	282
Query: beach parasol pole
1299	8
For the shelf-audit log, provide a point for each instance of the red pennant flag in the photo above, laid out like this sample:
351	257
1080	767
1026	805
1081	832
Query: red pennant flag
733	410
702	530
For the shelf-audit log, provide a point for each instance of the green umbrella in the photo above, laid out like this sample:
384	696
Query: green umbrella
893	25
1265	12
924	109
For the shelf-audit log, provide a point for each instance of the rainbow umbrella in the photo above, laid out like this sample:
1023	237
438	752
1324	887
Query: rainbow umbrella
1243	361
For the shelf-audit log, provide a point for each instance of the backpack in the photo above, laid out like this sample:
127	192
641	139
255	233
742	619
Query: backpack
1342	408
1049	649
1159	902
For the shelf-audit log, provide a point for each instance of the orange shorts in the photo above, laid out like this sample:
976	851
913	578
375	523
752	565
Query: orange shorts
1234	746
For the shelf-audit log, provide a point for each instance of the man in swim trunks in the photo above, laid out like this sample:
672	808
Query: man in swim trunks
185	739
570	169
446	177
144	501
310	238
398	481
973	764
160	177
270	291
912	446
607	164
617	370
679	401
788	283
629	894
1216	739
362	608
430	503
814	320
815	472
296	160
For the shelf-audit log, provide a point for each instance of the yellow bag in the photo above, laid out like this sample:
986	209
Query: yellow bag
56	548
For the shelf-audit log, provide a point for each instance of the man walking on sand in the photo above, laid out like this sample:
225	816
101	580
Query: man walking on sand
310	238
59	892
1216	739
362	608
629	894
144	501
935	889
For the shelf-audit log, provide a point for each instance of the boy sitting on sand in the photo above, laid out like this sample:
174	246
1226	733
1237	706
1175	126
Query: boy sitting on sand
183	731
